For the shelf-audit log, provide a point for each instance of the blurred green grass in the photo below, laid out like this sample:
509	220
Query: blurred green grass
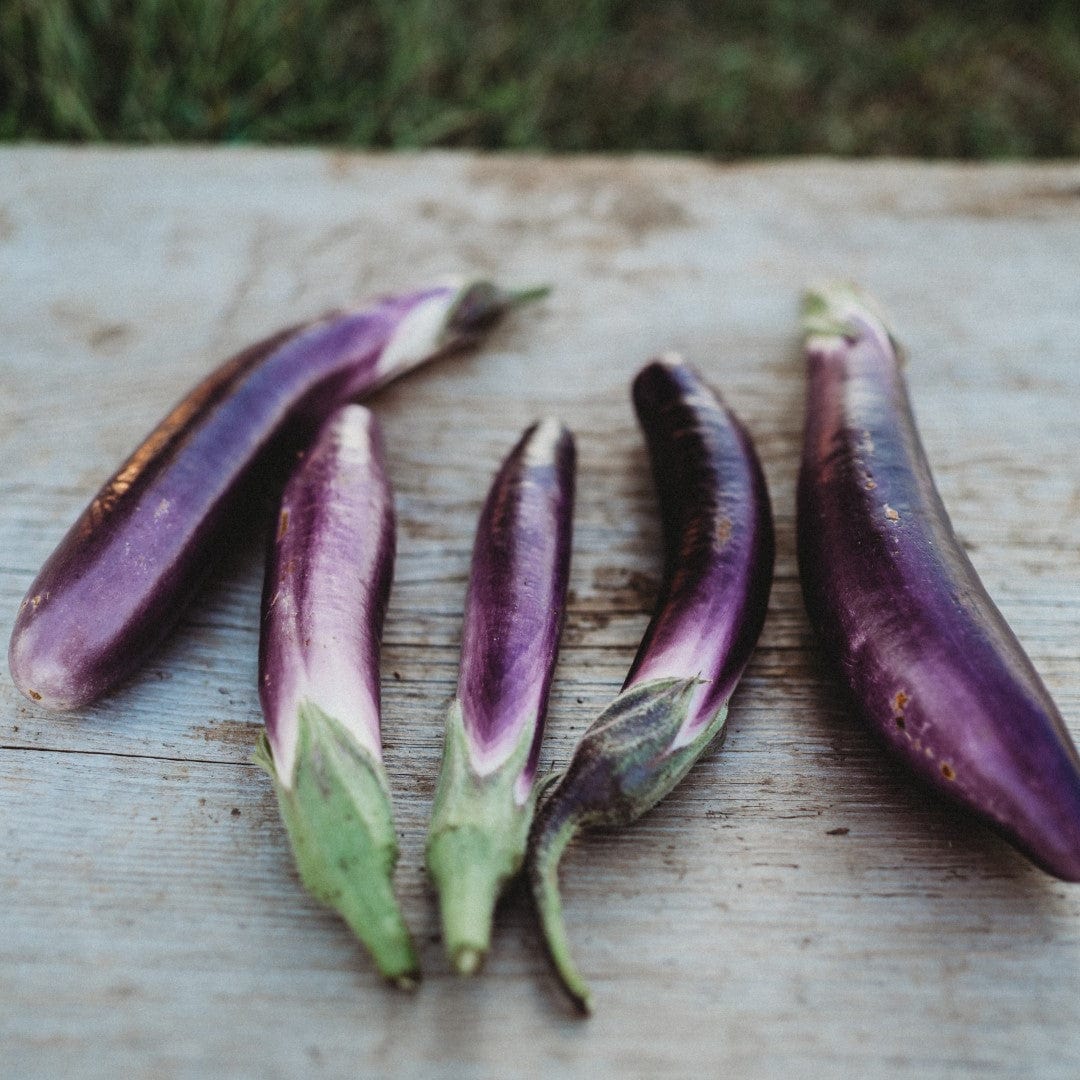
732	79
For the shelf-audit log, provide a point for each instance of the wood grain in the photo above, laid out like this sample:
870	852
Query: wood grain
795	908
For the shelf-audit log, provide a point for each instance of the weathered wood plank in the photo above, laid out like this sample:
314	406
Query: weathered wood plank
152	931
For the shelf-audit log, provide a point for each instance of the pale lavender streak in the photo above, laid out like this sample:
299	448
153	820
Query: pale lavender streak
517	592
120	578
327	585
718	539
901	609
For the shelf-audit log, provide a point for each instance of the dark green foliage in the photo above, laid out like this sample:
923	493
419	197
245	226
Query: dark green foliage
743	77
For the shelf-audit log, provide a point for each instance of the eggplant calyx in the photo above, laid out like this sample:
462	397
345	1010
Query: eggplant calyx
839	311
476	840
481	304
336	809
626	762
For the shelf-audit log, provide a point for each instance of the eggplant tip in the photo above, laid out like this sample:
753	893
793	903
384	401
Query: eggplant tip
543	439
670	359
480	304
43	681
527	295
467	960
828	308
580	999
1050	850
409	981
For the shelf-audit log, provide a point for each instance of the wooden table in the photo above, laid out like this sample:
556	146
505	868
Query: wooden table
795	909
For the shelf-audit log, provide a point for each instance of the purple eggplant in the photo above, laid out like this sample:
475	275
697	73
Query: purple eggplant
718	560
121	576
513	615
900	611
327	584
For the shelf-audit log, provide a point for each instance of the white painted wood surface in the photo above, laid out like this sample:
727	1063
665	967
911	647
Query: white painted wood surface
795	909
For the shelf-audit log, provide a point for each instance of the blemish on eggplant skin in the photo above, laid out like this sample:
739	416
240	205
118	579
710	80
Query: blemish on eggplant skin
899	703
283	524
891	514
948	771
34	694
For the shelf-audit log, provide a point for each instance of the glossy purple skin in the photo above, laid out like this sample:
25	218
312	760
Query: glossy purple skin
121	577
517	595
327	584
899	608
718	538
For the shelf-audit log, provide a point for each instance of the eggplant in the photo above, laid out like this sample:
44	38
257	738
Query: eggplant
719	550
326	588
929	661
514	612
121	577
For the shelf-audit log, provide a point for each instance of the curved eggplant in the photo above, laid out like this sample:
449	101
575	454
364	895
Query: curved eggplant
718	561
901	612
120	578
513	617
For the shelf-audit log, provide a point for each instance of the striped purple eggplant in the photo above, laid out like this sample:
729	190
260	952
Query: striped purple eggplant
718	559
929	660
327	584
121	576
513	615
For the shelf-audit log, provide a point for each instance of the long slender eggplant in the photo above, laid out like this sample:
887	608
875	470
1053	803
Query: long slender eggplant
326	589
929	660
513	615
120	578
718	560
